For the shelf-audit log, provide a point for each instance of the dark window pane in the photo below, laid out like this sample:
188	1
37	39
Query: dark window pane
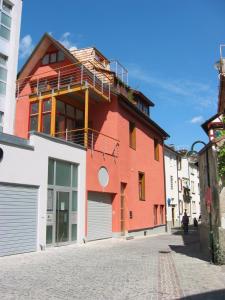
4	32
75	175
63	173
45	59
70	111
6	20
3	74
60	56
79	118
49	234
74	201
34	108
60	107
51	171
74	232
47	105
34	123
52	57
46	125
2	88
60	123
70	124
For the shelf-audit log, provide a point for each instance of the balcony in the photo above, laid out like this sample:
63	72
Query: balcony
92	140
64	80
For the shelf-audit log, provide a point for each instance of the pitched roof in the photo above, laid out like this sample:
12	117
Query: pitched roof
39	51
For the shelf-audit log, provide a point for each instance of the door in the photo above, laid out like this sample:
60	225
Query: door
99	216
18	219
62	217
122	208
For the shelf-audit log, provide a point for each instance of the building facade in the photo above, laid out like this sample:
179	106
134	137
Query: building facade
42	187
182	187
9	49
84	102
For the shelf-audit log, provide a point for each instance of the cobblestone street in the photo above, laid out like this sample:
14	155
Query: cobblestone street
159	267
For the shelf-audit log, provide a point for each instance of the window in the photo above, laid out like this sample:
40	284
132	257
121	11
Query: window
132	135
46	116
179	163
7	7
53	57
5	20
34	112
141	183
155	214
3	73
50	200
1	120
171	182
156	149
162	214
3	59
143	107
68	117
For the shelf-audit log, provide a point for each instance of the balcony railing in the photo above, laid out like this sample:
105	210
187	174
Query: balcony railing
92	139
65	77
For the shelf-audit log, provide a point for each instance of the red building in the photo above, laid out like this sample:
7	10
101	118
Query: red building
75	95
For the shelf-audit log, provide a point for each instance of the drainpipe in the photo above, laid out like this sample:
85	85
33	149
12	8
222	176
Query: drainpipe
164	179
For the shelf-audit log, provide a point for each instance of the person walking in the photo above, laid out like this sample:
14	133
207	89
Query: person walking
185	222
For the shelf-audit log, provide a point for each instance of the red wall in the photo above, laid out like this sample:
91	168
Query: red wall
112	119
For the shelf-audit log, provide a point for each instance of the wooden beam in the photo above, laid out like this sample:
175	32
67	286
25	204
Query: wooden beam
86	117
53	116
51	94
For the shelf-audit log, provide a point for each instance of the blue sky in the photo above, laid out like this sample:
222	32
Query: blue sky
169	48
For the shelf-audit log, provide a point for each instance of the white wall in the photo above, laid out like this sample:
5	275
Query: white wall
171	170
11	49
30	167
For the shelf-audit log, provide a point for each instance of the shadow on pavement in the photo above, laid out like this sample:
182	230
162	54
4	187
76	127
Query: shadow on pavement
191	242
212	295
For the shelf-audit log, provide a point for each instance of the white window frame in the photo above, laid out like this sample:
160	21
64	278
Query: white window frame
9	14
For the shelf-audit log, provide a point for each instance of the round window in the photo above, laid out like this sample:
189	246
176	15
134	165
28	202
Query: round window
103	176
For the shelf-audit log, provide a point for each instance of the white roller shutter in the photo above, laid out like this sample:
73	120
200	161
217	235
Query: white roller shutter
18	219
99	216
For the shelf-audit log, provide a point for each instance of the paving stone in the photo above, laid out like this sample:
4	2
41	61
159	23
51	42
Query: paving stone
160	267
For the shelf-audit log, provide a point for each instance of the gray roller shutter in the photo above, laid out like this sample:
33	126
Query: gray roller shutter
18	219
99	216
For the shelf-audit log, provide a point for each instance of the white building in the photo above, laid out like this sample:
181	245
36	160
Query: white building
42	193
182	187
9	47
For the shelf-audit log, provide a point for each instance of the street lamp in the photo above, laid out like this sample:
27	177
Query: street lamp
192	157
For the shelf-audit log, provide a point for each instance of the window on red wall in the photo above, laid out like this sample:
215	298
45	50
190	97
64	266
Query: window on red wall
156	149
34	112
141	184
162	214
46	116
155	214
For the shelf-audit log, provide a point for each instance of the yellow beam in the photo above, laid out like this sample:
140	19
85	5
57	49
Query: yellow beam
58	93
86	118
53	116
39	115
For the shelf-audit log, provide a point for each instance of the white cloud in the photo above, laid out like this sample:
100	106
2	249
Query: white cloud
197	93
66	41
197	119
26	46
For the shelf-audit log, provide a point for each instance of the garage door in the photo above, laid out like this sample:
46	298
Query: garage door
99	216
18	219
